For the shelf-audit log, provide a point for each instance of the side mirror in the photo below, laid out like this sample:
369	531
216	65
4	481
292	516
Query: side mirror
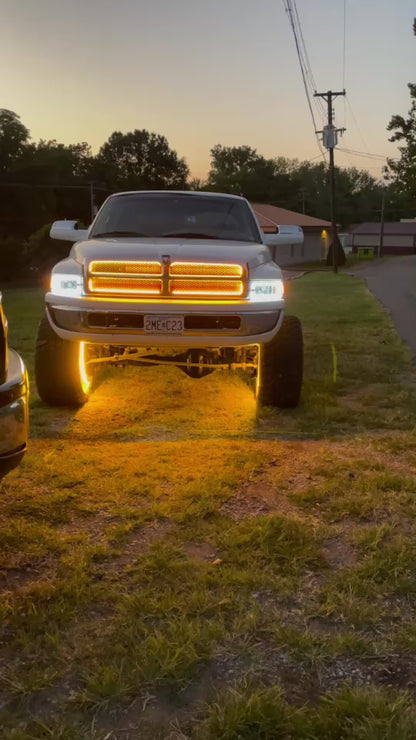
68	231
284	235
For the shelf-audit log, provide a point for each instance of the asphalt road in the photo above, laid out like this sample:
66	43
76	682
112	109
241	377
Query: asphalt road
393	283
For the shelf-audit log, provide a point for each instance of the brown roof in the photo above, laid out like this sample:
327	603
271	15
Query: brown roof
268	215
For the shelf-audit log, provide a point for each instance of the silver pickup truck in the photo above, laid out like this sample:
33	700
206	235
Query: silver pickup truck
170	277
13	403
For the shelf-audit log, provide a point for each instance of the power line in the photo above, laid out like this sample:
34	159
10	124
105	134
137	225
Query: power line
374	166
318	156
51	186
366	154
307	62
309	74
302	63
350	162
356	123
343	59
344	45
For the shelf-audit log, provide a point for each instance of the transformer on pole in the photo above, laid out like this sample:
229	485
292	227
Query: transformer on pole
330	140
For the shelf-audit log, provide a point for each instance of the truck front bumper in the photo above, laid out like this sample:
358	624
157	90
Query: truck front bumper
226	324
13	414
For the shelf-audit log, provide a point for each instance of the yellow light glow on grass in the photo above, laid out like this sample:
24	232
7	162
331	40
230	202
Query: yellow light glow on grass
204	269
82	365
258	373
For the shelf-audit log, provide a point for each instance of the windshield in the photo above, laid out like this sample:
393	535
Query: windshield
177	216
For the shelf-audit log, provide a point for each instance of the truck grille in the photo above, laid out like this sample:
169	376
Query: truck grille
124	285
205	269
108	267
206	287
171	280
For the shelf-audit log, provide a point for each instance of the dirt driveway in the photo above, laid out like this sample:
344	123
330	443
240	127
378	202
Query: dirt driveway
393	283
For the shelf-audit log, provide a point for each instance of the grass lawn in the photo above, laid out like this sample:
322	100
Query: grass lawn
176	564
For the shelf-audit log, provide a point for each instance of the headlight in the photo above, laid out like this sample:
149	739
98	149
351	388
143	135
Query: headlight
265	290
66	285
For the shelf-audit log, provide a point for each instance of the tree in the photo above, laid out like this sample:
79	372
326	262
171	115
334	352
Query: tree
14	137
308	190
11	258
340	258
49	162
403	171
358	196
297	186
196	183
240	170
47	181
41	252
140	160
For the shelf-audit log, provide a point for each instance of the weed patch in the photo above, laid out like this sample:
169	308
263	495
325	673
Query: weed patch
176	563
264	713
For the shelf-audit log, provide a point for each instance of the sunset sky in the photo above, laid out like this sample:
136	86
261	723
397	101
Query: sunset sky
206	72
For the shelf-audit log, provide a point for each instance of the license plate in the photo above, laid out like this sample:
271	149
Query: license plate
164	324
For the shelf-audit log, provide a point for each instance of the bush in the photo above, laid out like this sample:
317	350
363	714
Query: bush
42	252
339	253
11	258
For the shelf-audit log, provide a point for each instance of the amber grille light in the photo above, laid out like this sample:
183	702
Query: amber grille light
206	287
208	269
130	267
178	279
125	285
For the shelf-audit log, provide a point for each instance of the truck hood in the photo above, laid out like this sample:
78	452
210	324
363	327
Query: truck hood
190	250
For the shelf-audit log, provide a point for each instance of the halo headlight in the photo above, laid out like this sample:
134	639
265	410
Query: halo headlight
262	291
66	285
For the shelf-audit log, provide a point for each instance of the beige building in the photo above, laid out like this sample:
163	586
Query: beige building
398	238
316	234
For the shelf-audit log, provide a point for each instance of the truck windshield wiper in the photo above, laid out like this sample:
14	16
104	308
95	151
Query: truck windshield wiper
103	234
189	235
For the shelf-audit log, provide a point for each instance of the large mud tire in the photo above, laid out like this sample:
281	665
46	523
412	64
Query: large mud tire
280	368
58	364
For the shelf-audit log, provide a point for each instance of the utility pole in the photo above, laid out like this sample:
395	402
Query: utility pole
330	140
92	206
381	235
302	194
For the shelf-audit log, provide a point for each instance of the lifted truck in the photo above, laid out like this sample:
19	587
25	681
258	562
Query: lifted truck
165	277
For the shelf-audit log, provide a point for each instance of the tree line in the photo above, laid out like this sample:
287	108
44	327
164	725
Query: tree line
44	181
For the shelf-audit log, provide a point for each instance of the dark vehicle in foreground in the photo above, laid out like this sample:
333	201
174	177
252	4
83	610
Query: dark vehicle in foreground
14	391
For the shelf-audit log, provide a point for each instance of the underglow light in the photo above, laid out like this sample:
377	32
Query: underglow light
85	380
258	373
